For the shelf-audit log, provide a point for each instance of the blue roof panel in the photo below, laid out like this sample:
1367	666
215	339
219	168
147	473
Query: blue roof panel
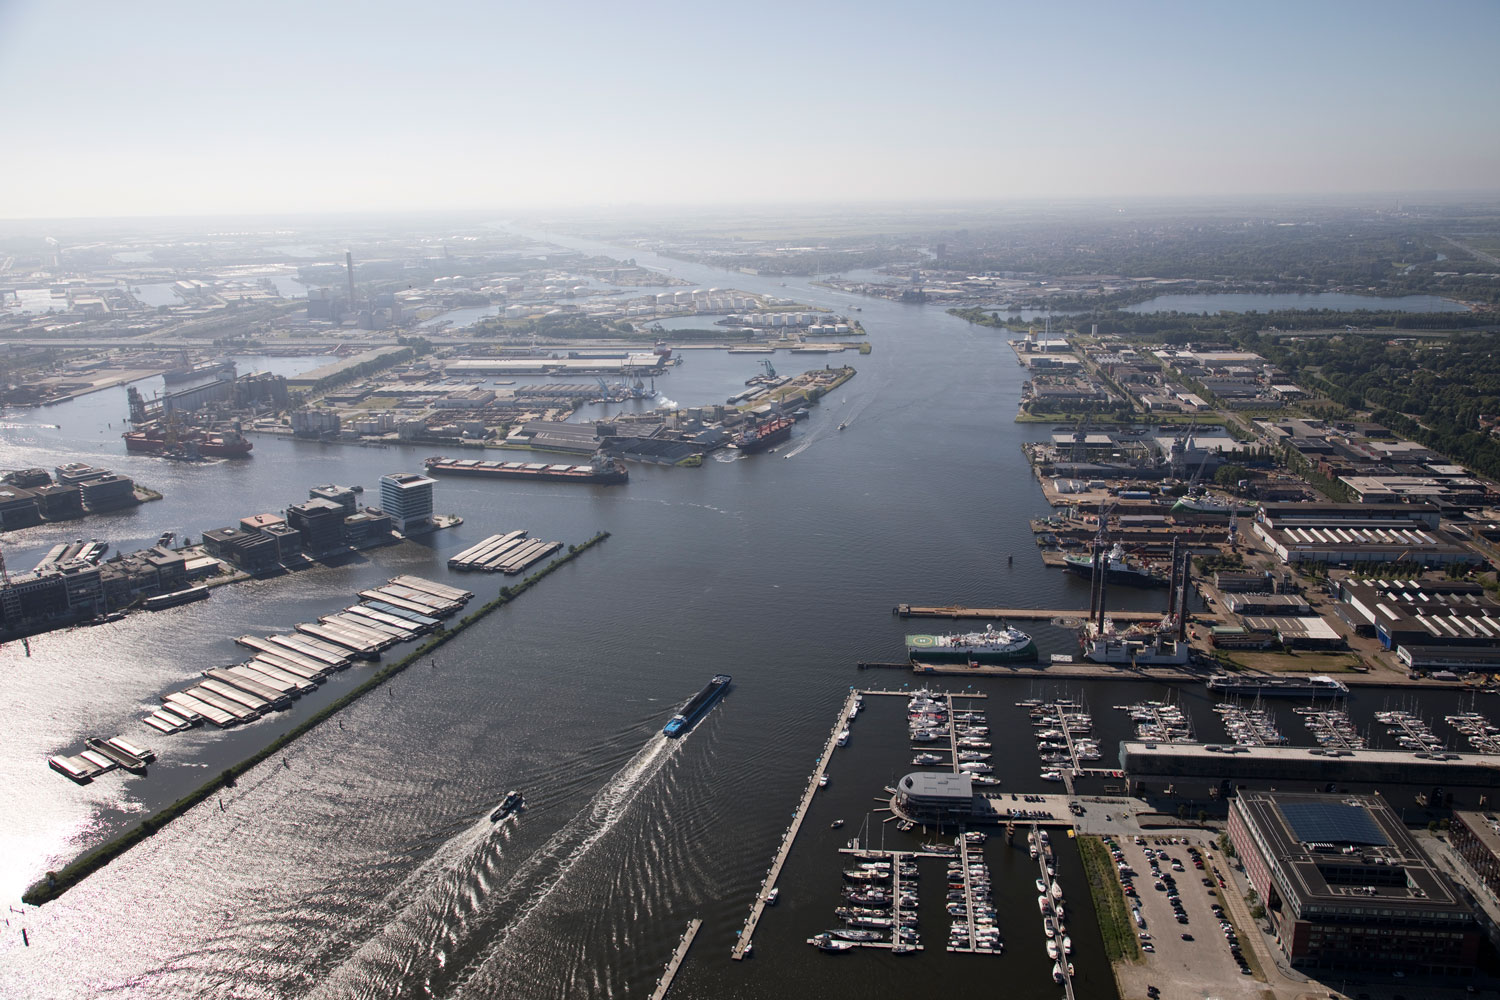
1332	823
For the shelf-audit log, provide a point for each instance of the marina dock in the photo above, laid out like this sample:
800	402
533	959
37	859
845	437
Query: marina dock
742	944
1044	854
665	982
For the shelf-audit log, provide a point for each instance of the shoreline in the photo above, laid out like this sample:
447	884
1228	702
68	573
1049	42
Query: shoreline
55	883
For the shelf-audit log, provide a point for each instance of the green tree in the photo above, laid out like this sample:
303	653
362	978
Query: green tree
1229	476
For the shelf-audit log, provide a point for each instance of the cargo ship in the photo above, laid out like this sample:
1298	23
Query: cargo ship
602	470
700	703
763	435
221	369
1316	686
1121	570
1002	645
190	443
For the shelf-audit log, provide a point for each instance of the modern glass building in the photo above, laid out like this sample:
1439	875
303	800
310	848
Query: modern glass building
407	497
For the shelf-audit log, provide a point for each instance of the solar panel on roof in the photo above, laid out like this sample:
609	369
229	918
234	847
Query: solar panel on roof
1331	823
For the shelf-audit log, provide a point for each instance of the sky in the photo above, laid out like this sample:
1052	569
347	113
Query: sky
175	108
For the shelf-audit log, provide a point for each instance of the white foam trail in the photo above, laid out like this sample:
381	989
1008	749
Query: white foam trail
448	907
805	444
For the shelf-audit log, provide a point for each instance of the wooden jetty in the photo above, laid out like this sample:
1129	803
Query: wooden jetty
665	982
742	944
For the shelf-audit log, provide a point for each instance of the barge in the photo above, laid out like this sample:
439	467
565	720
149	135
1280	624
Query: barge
176	597
601	470
700	703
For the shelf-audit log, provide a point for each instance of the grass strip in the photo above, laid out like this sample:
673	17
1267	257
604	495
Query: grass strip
58	882
1115	925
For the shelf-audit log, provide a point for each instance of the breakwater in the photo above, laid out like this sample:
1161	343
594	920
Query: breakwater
55	883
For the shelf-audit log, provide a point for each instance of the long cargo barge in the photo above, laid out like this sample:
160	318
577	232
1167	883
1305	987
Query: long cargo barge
426	622
176	597
601	471
700	703
435	589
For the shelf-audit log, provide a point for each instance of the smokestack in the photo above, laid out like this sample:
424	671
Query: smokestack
349	264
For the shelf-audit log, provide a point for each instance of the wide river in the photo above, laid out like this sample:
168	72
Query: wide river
363	862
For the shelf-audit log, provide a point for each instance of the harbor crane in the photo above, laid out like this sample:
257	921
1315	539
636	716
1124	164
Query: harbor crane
770	368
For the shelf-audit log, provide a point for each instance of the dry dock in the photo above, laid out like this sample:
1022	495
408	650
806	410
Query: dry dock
665	982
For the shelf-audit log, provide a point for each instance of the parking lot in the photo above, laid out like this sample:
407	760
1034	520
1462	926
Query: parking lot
1189	954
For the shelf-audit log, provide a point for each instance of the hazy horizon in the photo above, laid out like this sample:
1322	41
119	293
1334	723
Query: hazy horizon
165	109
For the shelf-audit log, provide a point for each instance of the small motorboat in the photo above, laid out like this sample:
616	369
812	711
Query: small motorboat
828	943
835	824
512	802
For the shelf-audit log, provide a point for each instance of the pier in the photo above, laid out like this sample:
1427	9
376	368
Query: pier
665	982
1024	614
742	944
1043	855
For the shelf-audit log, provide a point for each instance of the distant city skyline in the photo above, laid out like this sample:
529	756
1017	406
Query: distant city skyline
172	108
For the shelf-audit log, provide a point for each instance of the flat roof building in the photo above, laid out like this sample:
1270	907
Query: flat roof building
1425	613
1346	887
1329	533
407	498
935	796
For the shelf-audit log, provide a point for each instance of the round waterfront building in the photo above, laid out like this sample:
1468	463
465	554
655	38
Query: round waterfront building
930	796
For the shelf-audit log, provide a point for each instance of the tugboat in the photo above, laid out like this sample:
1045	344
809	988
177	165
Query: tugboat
512	802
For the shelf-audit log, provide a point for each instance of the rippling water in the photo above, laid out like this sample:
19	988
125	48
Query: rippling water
363	863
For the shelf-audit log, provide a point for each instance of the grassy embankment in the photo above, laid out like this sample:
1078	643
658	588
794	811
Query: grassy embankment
56	883
1115	925
1302	662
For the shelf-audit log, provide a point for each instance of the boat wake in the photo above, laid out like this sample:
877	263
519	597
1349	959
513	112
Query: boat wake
467	901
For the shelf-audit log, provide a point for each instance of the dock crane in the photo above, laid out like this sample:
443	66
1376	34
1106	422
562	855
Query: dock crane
770	368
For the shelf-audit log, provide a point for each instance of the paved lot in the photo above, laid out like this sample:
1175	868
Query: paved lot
1181	970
